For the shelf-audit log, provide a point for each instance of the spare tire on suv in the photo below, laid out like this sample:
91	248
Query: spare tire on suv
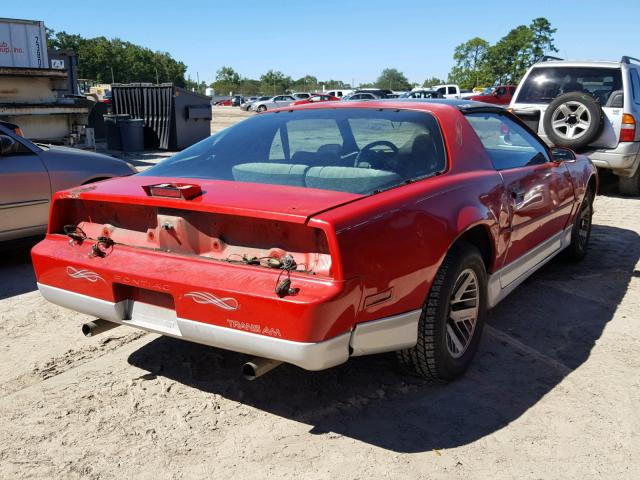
573	120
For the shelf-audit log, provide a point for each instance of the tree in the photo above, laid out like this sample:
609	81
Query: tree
478	63
393	79
509	59
114	60
431	81
275	82
542	38
249	86
306	83
227	81
471	62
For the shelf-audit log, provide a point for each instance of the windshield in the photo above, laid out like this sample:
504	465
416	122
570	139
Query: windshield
352	150
545	83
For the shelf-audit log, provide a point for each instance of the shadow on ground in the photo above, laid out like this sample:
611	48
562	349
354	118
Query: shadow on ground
551	324
16	271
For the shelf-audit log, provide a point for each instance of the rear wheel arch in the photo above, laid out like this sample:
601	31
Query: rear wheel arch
480	237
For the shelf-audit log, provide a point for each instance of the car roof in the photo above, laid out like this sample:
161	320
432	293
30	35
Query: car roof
433	105
578	63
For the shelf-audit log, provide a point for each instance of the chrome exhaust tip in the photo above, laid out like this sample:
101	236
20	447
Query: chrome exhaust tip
257	367
97	326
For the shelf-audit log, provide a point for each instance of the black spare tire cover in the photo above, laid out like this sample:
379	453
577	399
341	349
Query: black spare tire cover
573	120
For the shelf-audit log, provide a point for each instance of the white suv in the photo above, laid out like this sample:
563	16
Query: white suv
591	107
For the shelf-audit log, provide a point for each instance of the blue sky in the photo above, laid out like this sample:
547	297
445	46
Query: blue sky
336	39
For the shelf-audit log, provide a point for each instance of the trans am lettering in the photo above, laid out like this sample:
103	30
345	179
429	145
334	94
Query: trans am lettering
254	328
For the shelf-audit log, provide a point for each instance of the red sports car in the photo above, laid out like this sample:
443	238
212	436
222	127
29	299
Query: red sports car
316	99
311	234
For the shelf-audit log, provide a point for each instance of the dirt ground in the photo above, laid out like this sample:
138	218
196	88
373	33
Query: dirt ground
554	391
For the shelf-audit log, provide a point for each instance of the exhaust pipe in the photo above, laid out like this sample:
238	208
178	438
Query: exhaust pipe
258	366
98	326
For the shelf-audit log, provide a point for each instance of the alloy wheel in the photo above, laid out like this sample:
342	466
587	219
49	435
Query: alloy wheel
571	120
464	307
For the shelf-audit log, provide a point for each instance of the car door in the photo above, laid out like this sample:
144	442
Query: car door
540	190
26	191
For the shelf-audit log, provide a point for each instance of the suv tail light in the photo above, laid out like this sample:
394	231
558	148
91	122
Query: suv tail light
628	129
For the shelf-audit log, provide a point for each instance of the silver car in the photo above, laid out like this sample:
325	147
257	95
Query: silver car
246	106
274	102
30	173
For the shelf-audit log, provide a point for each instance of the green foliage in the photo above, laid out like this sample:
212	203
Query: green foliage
431	81
471	62
393	79
99	57
308	83
480	64
275	82
227	82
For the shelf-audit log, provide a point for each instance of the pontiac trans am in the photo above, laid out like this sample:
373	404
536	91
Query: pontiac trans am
311	234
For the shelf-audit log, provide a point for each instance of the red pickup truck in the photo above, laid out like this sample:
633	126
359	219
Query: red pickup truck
500	96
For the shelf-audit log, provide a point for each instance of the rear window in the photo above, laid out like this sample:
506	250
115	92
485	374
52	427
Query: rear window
353	150
545	83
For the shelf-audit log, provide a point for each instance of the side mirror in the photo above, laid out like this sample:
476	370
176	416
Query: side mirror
562	154
7	145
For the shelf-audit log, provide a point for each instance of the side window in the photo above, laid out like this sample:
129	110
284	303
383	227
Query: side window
452	90
507	143
276	152
501	91
635	85
442	90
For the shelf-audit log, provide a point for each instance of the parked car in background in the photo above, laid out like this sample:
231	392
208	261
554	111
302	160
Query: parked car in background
30	173
301	95
319	97
591	107
341	92
361	96
325	231
248	102
237	100
272	102
500	95
379	92
423	93
452	91
224	103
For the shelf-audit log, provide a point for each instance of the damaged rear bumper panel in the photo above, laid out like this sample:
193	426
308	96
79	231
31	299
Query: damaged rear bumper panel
388	334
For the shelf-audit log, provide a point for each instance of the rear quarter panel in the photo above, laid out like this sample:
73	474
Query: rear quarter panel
395	241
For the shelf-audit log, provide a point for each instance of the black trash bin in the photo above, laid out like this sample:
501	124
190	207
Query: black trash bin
112	122
132	134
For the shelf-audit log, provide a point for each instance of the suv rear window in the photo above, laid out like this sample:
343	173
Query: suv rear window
545	83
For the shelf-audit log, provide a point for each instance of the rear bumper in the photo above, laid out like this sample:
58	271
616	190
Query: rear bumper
387	334
624	160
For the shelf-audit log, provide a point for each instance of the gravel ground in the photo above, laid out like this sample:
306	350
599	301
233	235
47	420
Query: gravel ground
554	391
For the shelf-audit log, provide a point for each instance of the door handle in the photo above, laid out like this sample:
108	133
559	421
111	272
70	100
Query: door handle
517	195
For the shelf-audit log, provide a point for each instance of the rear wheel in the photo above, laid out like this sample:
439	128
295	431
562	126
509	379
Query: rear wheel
581	230
630	185
452	317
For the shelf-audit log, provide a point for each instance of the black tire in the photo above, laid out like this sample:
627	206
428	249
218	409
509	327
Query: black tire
261	109
430	358
570	100
630	186
581	230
